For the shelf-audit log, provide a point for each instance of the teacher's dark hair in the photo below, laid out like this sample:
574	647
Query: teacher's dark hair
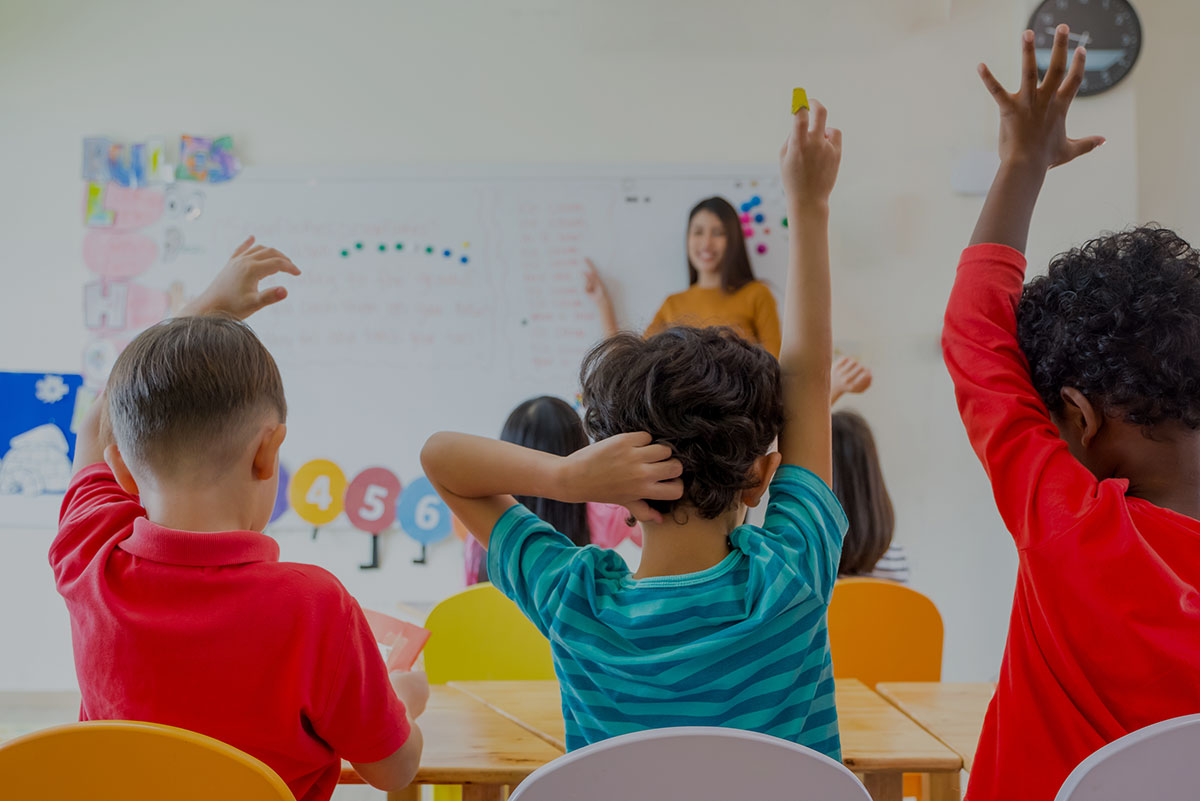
735	264
858	485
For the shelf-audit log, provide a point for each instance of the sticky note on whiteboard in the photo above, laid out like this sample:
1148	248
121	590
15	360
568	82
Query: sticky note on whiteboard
799	99
400	642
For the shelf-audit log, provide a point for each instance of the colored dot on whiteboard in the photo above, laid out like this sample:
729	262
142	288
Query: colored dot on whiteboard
762	248
358	245
766	231
463	259
784	222
755	201
759	218
746	207
345	253
749	232
429	249
446	253
382	247
466	245
745	218
399	246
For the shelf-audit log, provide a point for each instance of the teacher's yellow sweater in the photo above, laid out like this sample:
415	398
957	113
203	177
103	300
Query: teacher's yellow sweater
751	311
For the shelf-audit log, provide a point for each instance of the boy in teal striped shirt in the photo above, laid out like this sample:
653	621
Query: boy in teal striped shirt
723	624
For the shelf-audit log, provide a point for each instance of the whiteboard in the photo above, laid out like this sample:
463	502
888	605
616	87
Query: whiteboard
437	300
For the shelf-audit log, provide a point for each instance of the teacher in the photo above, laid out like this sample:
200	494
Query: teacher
723	291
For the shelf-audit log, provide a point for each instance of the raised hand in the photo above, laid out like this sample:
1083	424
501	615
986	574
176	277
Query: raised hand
810	157
624	470
235	289
1033	121
848	376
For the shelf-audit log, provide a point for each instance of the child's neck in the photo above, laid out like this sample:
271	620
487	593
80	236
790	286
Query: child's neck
674	549
1164	471
209	508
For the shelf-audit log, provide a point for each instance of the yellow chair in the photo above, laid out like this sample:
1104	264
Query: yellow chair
120	760
479	635
883	631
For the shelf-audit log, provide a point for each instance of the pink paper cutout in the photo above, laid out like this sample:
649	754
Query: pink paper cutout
113	307
135	208
118	255
404	639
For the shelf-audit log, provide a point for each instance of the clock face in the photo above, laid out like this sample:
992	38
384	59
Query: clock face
1109	29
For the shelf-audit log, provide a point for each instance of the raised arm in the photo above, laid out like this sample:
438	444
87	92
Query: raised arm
477	477
235	289
1039	487
598	292
809	162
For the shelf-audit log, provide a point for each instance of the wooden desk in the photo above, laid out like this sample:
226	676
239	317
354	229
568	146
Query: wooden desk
878	741
465	742
953	713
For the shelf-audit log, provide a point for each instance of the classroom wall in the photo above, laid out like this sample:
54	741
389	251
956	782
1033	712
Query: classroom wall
504	81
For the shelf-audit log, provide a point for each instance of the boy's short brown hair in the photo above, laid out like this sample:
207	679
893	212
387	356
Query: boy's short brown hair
188	391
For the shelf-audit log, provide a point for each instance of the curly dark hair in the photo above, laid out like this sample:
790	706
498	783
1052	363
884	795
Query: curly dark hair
1118	318
713	397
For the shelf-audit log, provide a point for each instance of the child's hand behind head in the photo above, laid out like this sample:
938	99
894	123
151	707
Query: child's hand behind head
624	470
1033	122
235	289
810	157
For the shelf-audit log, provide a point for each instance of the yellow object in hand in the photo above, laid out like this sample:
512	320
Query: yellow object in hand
799	99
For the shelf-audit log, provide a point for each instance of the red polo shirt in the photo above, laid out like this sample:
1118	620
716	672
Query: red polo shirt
1103	638
211	632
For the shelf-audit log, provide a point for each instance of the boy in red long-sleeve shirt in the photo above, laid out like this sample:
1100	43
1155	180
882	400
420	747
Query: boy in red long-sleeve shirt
1081	395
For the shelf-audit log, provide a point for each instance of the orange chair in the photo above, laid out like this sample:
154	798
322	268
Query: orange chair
883	631
121	760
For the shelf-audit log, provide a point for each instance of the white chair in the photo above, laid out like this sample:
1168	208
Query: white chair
1155	762
699	763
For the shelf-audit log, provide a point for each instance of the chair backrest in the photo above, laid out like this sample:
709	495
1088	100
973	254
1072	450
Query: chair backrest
479	635
1154	762
120	760
883	631
699	763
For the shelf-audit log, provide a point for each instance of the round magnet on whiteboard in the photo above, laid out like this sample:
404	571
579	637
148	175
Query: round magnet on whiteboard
358	245
446	253
761	248
345	253
429	249
745	218
399	246
759	218
382	248
463	259
755	201
749	232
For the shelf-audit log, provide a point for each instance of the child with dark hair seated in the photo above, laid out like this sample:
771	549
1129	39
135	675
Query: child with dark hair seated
723	624
1081	395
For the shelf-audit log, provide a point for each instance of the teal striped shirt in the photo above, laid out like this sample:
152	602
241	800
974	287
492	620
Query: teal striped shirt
742	644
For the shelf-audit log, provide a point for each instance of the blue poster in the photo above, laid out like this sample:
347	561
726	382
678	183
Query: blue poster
37	438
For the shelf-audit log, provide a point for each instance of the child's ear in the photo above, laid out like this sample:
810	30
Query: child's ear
266	458
116	463
764	470
1084	418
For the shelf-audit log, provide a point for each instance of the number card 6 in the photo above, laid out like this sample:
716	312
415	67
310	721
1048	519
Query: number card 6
371	499
422	514
317	491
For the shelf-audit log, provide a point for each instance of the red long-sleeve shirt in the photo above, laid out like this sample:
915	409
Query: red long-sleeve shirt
1105	630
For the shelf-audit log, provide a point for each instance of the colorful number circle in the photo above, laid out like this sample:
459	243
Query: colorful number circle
371	499
318	492
422	513
281	495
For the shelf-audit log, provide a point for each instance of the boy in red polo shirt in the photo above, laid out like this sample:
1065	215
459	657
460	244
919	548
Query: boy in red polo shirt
1081	396
181	612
